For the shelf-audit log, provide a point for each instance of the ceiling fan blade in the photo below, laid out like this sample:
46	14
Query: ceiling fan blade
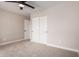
12	1
28	5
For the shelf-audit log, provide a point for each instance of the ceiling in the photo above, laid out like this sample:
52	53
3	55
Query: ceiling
13	7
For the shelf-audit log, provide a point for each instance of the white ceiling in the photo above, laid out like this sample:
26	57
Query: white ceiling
13	7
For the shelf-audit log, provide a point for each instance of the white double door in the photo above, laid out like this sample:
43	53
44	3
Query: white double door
39	29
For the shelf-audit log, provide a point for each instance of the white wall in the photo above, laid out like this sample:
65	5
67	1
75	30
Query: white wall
63	24
11	26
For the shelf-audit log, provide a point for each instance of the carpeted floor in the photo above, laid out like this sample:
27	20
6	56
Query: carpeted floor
31	49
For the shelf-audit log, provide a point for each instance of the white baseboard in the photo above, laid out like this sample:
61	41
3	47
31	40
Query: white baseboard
51	45
65	48
13	41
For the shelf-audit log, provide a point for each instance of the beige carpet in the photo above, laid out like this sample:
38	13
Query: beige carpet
31	49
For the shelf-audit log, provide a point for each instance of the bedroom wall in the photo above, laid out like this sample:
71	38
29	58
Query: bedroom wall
11	26
63	25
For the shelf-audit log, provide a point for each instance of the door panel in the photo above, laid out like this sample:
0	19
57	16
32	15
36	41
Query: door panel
26	29
35	29
43	29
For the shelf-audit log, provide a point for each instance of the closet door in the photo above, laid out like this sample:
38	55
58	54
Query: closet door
43	29
26	29
35	29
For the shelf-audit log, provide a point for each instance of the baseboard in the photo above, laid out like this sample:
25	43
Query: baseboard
13	41
51	45
65	48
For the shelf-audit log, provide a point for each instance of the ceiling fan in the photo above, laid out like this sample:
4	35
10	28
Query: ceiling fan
22	4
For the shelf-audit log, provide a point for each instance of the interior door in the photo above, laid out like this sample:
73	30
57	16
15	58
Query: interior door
35	29
43	29
26	29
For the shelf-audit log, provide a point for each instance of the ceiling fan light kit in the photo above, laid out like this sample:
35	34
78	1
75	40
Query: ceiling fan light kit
21	6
